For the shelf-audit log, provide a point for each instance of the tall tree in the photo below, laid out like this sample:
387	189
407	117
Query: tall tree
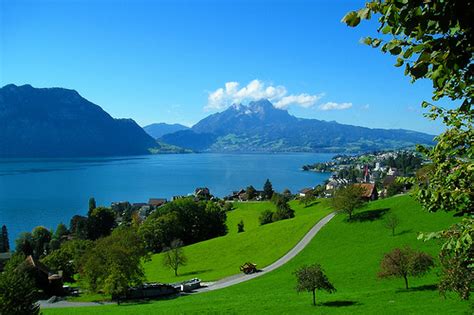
100	223
92	205
311	278
174	256
267	190
434	41
4	242
41	237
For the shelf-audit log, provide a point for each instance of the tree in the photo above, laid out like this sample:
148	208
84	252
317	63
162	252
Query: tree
311	278
116	284
41	237
160	231
121	252
265	217
4	242
17	289
456	258
391	221
308	198
78	227
267	190
92	206
100	223
348	199
287	194
174	256
434	41
251	192
61	231
401	263
24	244
240	226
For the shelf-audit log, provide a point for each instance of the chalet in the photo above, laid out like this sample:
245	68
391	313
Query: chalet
370	192
51	283
303	192
335	183
202	193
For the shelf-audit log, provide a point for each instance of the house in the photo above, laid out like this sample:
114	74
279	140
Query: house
303	192
370	192
392	171
156	202
51	283
202	193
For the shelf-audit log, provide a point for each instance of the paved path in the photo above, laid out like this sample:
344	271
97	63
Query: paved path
232	280
229	281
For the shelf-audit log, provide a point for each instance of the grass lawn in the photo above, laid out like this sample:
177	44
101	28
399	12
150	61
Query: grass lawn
350	254
220	257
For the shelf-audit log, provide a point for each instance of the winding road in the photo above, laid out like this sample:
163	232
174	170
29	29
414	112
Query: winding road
229	281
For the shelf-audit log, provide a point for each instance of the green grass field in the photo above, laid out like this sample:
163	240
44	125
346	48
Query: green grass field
220	257
350	254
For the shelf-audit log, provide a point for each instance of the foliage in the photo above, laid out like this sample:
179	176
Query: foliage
116	284
41	237
195	221
67	258
174	256
24	244
311	278
391	221
405	262
240	226
266	217
395	188
160	231
267	190
100	223
456	257
17	289
348	199
432	38
308	198
121	252
92	205
78	227
405	162
283	209
4	242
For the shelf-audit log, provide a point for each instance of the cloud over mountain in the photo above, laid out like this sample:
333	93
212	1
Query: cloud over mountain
232	93
334	106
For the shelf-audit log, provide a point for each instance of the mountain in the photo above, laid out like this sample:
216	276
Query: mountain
260	127
56	122
161	129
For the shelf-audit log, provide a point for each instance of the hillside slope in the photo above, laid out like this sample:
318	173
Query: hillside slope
350	254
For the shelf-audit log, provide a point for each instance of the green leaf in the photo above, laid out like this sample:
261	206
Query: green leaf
399	62
351	19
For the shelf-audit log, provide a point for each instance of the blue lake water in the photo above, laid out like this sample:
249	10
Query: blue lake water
49	191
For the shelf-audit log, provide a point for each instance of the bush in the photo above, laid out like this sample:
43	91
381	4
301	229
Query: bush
266	217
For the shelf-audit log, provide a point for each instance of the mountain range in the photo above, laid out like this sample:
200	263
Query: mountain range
161	129
260	127
57	122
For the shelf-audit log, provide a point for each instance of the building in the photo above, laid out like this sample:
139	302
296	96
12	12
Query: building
303	192
370	192
156	202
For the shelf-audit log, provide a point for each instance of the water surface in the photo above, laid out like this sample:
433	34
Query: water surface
49	191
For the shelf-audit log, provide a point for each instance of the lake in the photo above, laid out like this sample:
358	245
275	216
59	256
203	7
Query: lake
49	191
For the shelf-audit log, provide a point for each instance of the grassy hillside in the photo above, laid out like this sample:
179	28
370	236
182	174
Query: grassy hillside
220	257
350	253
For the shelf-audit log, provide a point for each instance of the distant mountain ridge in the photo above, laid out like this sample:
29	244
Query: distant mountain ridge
160	129
260	127
57	122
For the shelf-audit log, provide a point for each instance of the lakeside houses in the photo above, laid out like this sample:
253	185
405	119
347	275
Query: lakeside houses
303	192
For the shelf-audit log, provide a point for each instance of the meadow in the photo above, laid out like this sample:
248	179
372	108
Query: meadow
350	253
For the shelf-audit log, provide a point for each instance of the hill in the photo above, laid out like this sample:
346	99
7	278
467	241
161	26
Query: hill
350	254
260	127
158	130
57	122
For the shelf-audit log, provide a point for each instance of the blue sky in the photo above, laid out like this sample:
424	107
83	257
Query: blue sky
165	61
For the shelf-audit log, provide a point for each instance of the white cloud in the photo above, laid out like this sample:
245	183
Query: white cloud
334	106
232	93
